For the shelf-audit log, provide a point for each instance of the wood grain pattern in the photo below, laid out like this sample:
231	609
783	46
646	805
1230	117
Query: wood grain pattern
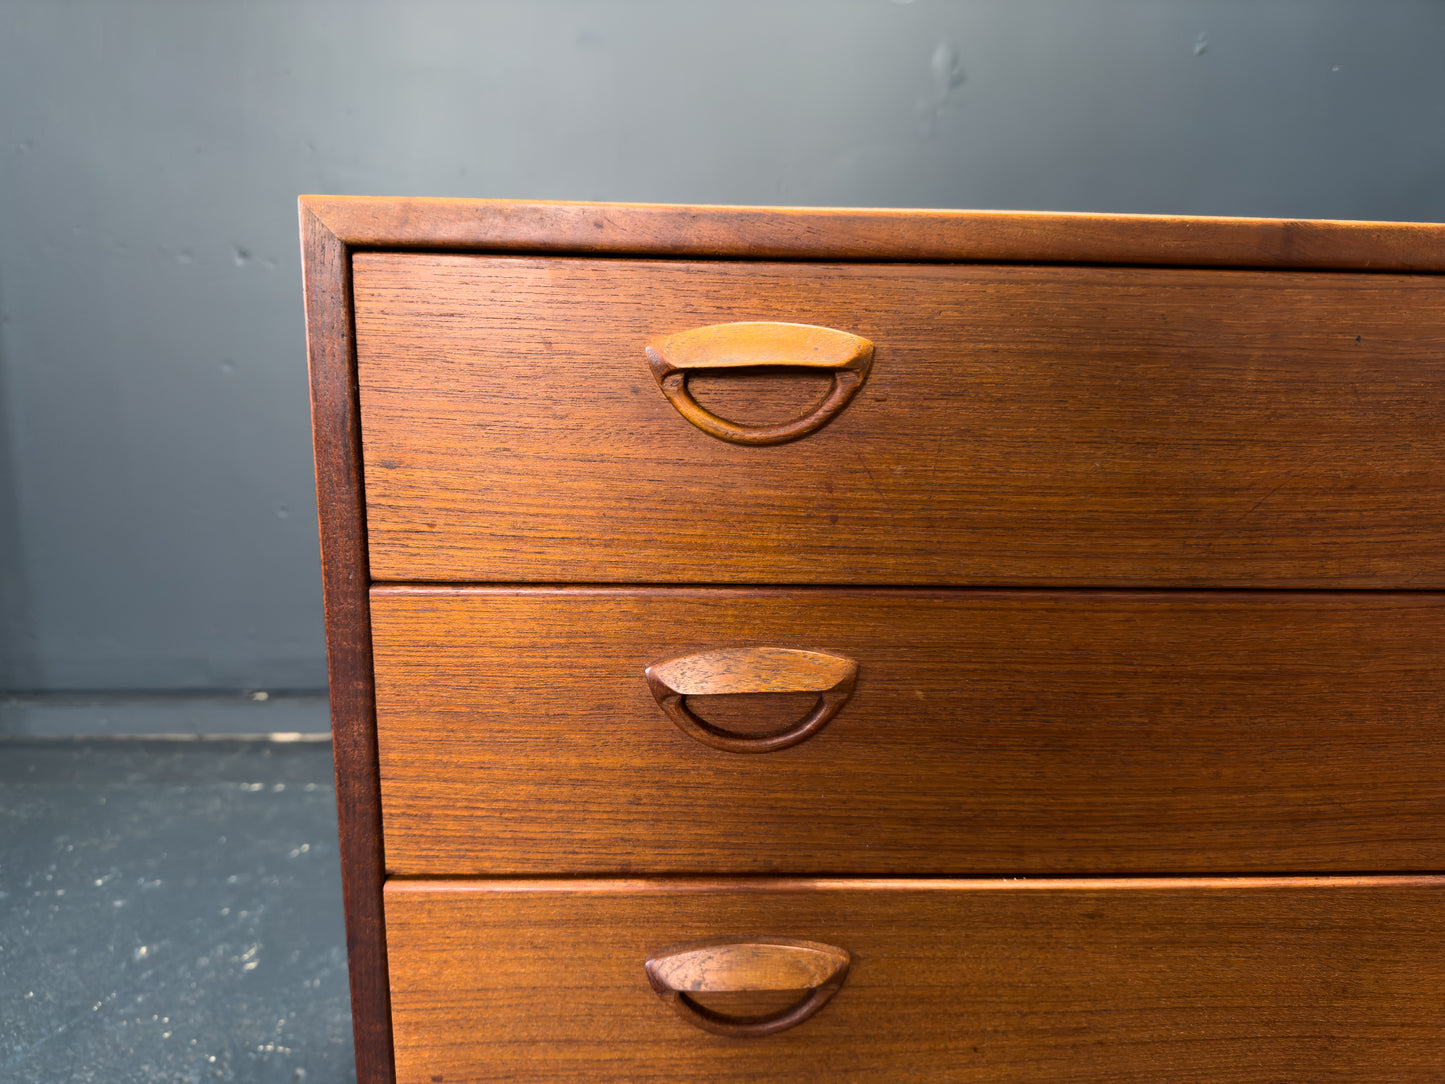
782	233
336	423
989	732
1225	981
1021	426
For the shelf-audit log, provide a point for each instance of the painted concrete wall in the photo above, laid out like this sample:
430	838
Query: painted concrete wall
157	517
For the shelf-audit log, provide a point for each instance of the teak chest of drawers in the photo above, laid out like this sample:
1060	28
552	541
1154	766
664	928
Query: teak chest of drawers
842	645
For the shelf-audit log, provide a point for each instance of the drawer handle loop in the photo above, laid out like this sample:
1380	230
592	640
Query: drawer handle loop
752	670
749	344
747	964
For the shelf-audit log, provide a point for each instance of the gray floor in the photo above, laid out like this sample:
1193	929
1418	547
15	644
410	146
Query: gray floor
170	910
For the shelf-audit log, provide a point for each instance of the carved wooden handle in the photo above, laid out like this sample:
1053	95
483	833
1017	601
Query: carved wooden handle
747	963
752	670
735	346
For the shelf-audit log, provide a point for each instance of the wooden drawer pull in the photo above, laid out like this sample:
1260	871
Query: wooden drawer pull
752	670
743	345
747	964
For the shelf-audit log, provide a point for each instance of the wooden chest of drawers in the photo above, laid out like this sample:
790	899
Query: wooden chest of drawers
852	645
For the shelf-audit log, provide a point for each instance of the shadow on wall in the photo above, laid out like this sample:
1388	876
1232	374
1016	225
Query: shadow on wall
19	660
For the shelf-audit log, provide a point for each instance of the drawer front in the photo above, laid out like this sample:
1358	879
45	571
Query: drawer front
1233	980
1061	426
986	732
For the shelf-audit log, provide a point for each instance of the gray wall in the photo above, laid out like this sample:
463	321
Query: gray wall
157	516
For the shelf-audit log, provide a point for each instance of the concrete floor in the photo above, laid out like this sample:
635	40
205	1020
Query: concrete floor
170	910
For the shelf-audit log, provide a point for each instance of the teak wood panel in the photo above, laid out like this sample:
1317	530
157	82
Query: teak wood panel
1021	425
850	233
1227	981
989	732
336	429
